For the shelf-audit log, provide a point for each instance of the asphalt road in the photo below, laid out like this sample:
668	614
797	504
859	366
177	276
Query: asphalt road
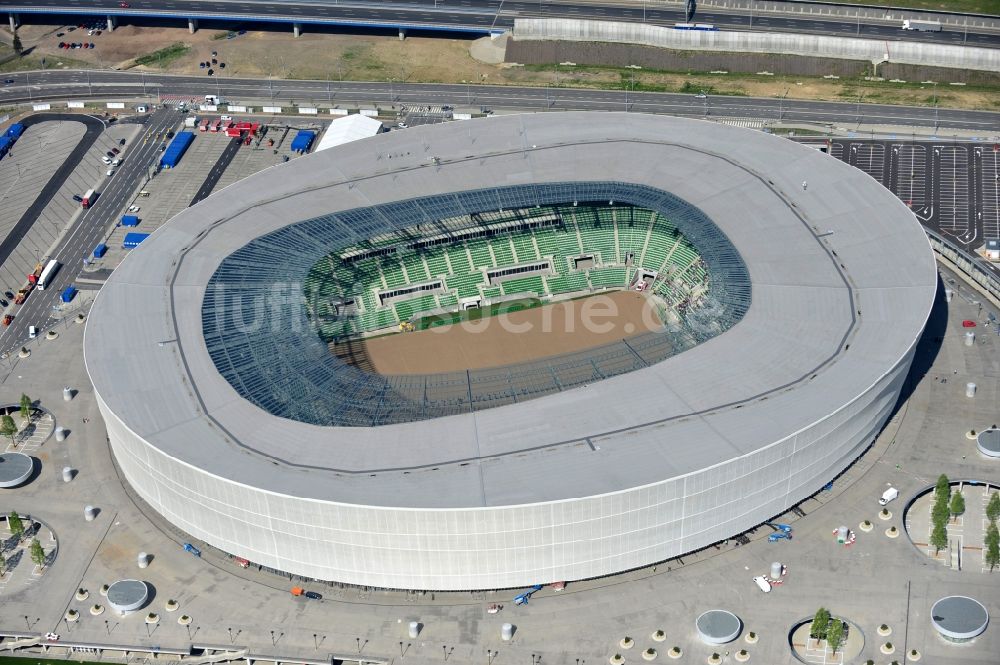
220	167
61	85
95	127
487	16
88	231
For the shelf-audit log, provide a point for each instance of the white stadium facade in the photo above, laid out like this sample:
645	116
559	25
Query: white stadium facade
228	414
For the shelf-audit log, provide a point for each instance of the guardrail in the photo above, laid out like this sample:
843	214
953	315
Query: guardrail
974	267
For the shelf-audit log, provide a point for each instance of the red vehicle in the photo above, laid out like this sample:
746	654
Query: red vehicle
7	319
241	562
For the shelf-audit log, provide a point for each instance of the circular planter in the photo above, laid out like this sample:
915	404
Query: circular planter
751	637
866	526
971	435
24	352
104	589
616	659
649	654
71	615
52	334
659	636
152	618
913	655
887	648
80	318
884	630
714	659
184	620
172	605
892	532
675	652
82	594
97	610
742	656
626	643
885	514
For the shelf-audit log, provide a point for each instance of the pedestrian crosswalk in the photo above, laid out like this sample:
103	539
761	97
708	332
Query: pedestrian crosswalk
749	123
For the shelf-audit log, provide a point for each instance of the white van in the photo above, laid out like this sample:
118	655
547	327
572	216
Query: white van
32	332
888	496
762	584
106	159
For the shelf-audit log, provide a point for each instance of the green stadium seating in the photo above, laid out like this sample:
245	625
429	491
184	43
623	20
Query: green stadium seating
467	286
522	284
437	266
574	281
447	300
392	271
381	318
524	248
480	251
491	291
459	259
546	239
406	309
416	271
607	277
502	251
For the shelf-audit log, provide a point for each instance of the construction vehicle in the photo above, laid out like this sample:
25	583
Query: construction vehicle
779	535
779	527
523	598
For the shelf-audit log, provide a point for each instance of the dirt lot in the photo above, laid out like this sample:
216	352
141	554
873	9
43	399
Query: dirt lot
383	57
534	333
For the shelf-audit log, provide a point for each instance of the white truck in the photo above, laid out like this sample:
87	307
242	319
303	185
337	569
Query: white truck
922	26
888	496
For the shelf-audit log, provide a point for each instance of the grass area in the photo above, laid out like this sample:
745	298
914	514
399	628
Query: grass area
34	62
991	7
163	57
436	320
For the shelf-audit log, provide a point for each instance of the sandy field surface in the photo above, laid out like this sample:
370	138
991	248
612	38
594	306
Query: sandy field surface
540	332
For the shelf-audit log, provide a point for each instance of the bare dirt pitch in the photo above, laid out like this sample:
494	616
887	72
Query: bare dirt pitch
540	332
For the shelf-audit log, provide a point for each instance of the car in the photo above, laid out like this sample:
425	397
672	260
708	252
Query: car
111	172
90	32
9	295
447	108
92	45
701	95
78	198
122	142
7	319
124	5
402	125
113	118
313	595
163	146
106	160
202	65
222	65
116	162
60	34
110	154
8	81
71	28
210	72
62	44
215	61
215	53
133	208
86	45
3	303
32	332
96	32
170	135
115	150
242	32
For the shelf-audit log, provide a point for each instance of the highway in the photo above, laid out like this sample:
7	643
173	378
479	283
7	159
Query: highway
88	231
62	85
484	16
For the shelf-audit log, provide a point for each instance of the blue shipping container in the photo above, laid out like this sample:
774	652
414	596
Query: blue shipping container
68	293
132	240
130	220
172	156
15	130
100	250
302	141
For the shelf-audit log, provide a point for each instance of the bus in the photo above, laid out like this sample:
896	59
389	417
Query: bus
203	127
215	124
51	268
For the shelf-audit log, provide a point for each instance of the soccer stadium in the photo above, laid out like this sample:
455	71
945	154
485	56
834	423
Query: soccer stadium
509	351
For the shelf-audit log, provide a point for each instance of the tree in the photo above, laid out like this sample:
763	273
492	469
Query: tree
17	46
25	408
993	507
820	622
957	506
835	635
37	553
940	513
942	488
992	542
15	524
939	537
8	429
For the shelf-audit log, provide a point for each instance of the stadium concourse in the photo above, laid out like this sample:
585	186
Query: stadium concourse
788	333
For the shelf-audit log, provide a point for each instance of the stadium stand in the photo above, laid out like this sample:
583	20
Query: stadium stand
499	240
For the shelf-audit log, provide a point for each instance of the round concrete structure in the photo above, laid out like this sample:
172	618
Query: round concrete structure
959	618
241	441
988	442
718	626
128	595
15	469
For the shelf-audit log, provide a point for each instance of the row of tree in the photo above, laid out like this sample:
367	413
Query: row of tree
946	506
992	540
35	550
829	628
8	427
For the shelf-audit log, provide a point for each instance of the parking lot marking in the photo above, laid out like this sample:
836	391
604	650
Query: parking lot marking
991	194
953	175
911	167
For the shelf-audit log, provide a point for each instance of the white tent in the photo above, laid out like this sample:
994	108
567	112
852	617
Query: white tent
348	128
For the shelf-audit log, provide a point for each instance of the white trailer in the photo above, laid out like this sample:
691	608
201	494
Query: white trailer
922	26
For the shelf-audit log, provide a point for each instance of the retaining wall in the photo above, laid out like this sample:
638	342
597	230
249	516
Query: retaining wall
938	55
